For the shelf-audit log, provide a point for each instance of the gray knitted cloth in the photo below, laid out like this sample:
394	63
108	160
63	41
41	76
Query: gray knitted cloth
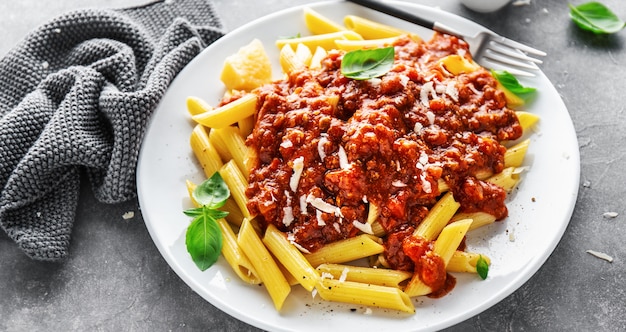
75	98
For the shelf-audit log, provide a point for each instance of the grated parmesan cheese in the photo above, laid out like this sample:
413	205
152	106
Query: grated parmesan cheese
286	144
292	239
427	89
343	158
287	211
321	205
610	214
418	127
303	209
431	117
320	146
452	91
363	227
298	166
398	184
320	220
600	255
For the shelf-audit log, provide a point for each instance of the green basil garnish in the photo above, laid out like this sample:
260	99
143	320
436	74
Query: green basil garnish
511	83
366	64
482	267
204	237
596	17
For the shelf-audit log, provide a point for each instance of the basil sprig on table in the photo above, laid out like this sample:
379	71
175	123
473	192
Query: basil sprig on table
596	17
367	64
511	83
204	237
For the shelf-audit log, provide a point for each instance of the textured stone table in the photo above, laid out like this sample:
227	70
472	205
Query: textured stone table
116	280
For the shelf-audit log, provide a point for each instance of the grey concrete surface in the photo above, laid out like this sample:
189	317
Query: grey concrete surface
116	280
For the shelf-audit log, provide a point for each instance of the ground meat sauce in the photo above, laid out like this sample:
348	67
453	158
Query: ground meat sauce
385	141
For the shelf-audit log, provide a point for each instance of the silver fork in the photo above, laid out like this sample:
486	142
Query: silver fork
487	48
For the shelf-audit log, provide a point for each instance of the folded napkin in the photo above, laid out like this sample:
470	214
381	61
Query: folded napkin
75	98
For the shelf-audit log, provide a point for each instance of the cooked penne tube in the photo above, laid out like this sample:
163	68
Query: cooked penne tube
462	261
220	146
514	156
236	145
319	24
237	184
273	279
444	247
437	218
325	41
346	250
290	257
304	54
235	257
527	120
289	61
382	277
365	294
246	126
507	179
197	106
316	59
205	152
479	219
377	229
351	45
373	30
230	113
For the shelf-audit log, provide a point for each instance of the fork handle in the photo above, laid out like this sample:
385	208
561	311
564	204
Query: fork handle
395	12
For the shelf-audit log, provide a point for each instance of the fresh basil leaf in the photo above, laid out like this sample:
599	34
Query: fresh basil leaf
217	214
512	84
204	241
482	267
366	64
595	17
212	193
193	212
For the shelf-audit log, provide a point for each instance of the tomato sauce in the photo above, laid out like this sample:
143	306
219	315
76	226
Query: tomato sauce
386	141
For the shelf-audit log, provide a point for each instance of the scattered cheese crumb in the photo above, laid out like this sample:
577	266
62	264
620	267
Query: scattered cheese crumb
45	65
320	146
57	30
288	211
512	235
313	293
610	214
431	117
521	2
368	311
128	215
327	275
600	255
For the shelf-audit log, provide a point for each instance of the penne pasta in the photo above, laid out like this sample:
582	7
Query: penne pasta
230	113
437	218
236	146
373	30
444	247
351	45
316	59
462	261
527	120
325	41
290	257
197	106
289	61
382	277
264	264
479	219
346	250
365	294
237	184
514	156
204	151
319	24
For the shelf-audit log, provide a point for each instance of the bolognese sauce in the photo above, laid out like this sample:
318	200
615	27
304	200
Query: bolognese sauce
328	148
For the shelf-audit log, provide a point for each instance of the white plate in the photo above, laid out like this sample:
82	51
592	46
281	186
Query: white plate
539	210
